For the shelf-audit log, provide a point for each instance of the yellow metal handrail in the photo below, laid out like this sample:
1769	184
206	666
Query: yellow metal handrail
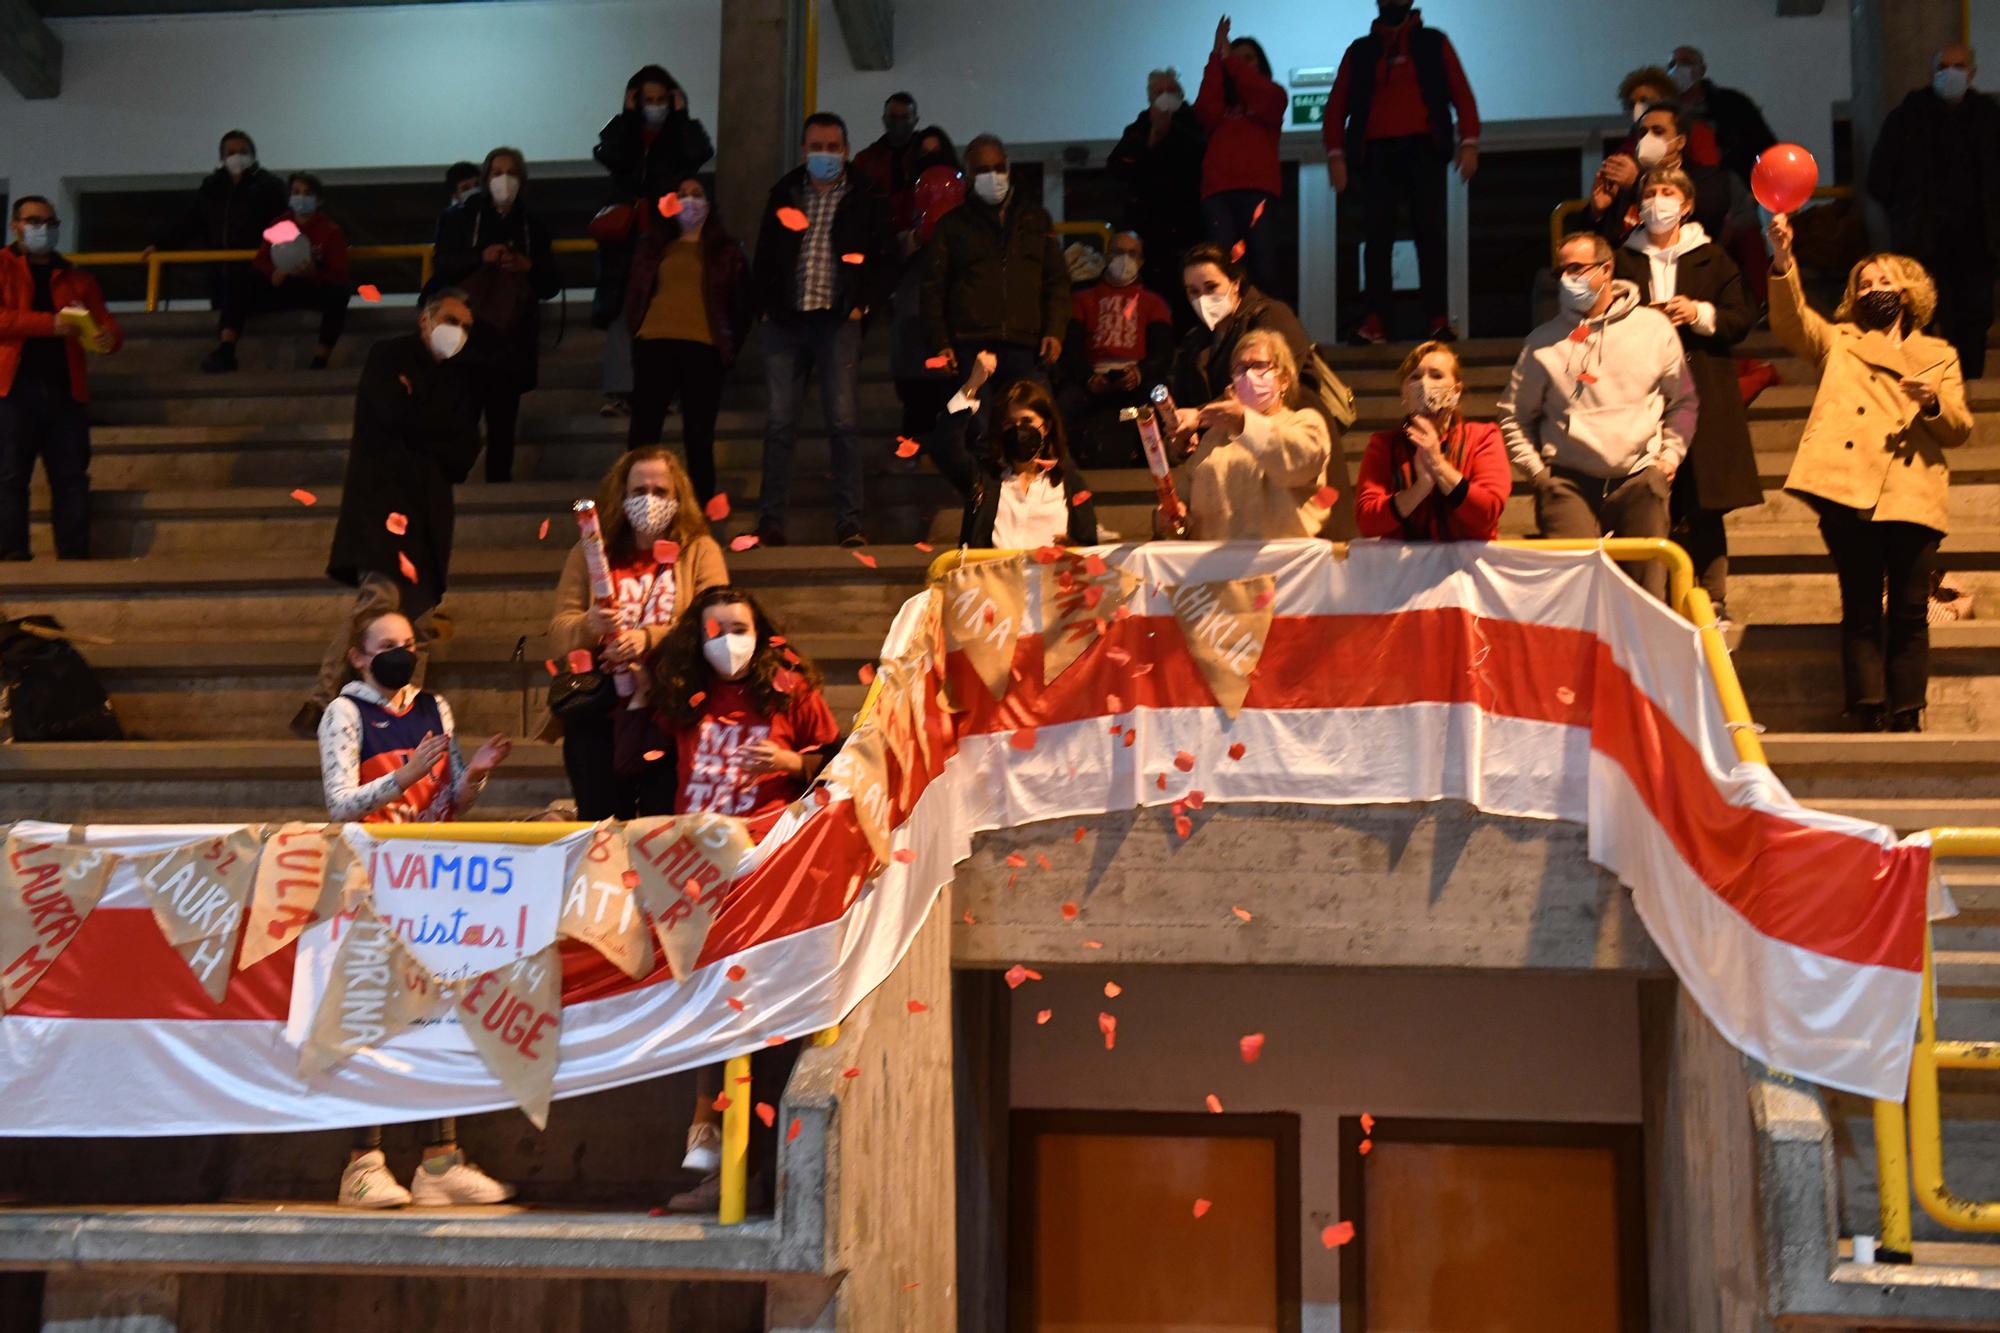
1101	232
1560	215
156	261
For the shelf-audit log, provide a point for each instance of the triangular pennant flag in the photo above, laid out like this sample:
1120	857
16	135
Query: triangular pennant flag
983	607
862	767
46	891
1076	606
1225	625
197	892
513	1015
685	865
292	879
376	989
902	713
600	908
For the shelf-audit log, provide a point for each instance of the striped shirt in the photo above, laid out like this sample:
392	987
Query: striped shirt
816	257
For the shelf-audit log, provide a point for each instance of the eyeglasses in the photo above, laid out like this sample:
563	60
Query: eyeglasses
36	219
1577	270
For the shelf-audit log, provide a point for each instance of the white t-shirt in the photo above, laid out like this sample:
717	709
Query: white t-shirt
1037	515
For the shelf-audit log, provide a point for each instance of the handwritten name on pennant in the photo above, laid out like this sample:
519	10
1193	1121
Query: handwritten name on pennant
1225	626
197	893
46	891
685	865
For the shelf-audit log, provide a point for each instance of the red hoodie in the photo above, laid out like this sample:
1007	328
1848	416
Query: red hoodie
329	247
1243	139
19	320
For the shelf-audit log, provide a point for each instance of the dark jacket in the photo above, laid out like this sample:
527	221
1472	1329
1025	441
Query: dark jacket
1720	456
1201	366
996	275
1741	131
227	213
984	507
20	321
725	286
463	235
642	171
860	227
410	446
1439	79
1936	169
893	171
1162	182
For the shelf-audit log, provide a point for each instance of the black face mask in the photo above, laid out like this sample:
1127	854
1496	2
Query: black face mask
1878	310
1020	443
393	668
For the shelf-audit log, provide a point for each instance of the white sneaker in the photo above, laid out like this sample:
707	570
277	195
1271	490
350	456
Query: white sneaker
459	1183
704	1151
366	1183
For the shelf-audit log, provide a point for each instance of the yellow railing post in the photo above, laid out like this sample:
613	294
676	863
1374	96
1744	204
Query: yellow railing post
1892	1184
735	1141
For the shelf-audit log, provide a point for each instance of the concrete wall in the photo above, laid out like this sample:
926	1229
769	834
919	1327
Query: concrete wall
1517	1047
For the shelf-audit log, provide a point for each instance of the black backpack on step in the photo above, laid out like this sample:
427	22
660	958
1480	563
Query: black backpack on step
51	692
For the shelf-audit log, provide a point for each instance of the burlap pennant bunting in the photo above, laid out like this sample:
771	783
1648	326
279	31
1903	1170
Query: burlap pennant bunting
513	1015
293	886
1080	596
903	717
1225	625
984	605
377	989
197	893
46	891
601	908
685	865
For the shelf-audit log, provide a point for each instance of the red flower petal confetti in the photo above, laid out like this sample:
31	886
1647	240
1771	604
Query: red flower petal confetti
653	756
1069	911
369	292
1043	861
542	533
854	257
721	1102
1112	990
906	447
1183	826
579	660
1565	695
717	507
1579	333
867	673
1367	1123
1251	1045
792	1131
1585	377
851	1072
936	362
409	570
1240	914
1019	973
1093	944
1214	1103
1130	736
398	524
1023	738
864	558
904	855
1080	832
736	972
822	797
1367	1146
791	219
1184	762
666	552
1042	1016
694	700
1108	1025
1161	782
1337	1235
1201	1206
305	497
1046	555
1017	861
734	1003
767	1113
554	670
670	205
1236	750
1325	496
1236	252
1195	798
630	879
917	1007
925	547
743	542
1080	498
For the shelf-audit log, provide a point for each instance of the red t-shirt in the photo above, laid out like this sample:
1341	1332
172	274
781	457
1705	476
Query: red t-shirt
643	592
1117	319
713	753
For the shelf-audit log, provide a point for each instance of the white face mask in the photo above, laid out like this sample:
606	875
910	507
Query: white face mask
503	189
238	163
656	116
729	654
1651	150
1578	296
1951	84
446	340
1122	269
694	212
1167	103
650	515
991	186
1429	397
1661	213
1214	307
1257	389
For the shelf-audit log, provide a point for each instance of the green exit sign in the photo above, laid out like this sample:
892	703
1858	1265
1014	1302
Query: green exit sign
1309	108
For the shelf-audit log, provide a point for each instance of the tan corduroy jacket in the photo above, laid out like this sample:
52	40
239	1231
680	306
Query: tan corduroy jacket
699	568
1261	484
1867	445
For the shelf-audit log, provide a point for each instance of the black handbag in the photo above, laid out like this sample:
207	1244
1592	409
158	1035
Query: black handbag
582	696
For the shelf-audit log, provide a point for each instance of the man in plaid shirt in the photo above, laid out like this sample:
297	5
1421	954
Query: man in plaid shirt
824	261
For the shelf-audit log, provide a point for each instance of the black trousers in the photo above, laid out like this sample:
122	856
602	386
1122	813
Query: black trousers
40	421
1701	532
599	792
500	403
1884	654
663	368
256	296
1407	173
1964	270
924	400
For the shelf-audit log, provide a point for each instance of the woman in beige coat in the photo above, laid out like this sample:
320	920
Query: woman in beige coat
1258	469
1871	464
662	557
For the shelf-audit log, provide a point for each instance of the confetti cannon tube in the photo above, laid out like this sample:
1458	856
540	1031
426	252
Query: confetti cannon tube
598	566
1148	422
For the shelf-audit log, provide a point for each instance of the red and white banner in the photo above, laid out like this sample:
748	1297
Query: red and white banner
1526	683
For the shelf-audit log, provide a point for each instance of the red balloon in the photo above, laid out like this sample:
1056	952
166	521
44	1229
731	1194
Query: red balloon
1784	178
939	190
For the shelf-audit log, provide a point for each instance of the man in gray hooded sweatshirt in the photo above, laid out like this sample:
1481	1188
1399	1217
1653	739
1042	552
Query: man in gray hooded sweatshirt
1600	408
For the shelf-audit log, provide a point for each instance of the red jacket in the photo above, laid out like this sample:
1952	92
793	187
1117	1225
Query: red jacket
1242	140
19	320
1477	450
329	246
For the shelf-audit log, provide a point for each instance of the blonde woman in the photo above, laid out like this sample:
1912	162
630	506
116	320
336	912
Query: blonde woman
1258	465
1871	464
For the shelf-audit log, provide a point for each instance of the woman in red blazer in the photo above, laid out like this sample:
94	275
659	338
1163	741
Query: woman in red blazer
1437	477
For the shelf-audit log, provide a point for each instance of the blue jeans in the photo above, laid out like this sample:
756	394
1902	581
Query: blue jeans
792	347
1226	216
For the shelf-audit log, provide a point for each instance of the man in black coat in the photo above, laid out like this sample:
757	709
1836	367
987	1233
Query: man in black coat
1741	132
416	434
1936	169
825	260
229	211
1159	159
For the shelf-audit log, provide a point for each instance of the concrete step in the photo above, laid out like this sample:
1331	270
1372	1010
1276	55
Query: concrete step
1930	765
1791	675
1913	814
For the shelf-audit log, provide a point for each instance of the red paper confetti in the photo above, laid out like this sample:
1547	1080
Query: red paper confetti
822	797
1184	762
397	524
1130	736
1069	911
1017	861
1108	1025
791	219
1093	944
666	552
1093	565
305	497
1264	599
1214	1103
1240	914
1236	252
1019	973
1251	1045
903	855
1585	377
1579	333
1023	738
1367	1146
1112	990
854	257
554	670
792	1132
1080	498
1195	798
906	447
369	292
767	1113
579	660
925	547
743	542
1043	1016
1367	1123
1258	211
670	205
1043	861
936	362
917	1007
721	1102
694	700
732	1001
409	570
542	534
1046	555
1236	750
717	507
864	558
630	879
867	673
653	756
1201	1206
1080	832
1325	496
1183	826
1161	782
1337	1235
735	972
851	1072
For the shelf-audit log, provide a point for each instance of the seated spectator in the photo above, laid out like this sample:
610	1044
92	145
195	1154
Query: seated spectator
687	305
1228	308
44	385
229	211
1160	159
1259	470
892	161
1740	131
1721	203
461	182
1600	407
1027	492
1683	274
1436	477
1243	111
1871	463
496	252
416	432
308	272
996	280
741	714
1123	345
644	500
388	754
